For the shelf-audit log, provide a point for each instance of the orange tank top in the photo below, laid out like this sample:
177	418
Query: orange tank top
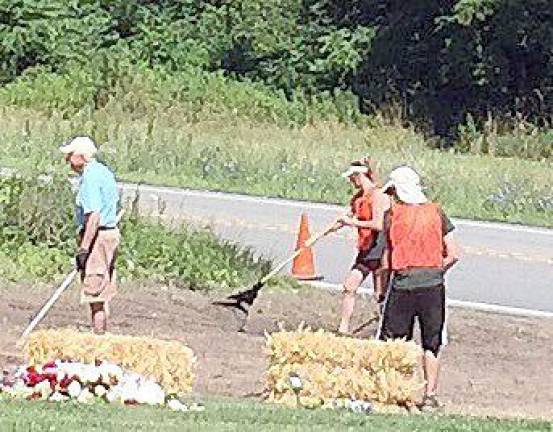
361	207
415	236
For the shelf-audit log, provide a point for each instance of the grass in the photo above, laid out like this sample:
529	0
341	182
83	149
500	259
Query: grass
229	415
265	159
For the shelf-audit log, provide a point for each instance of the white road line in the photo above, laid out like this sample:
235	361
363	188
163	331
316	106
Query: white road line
306	205
485	307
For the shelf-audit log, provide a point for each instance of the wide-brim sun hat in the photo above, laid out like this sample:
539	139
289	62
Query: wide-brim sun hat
80	145
406	183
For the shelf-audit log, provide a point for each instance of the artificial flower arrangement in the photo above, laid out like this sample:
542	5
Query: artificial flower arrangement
59	381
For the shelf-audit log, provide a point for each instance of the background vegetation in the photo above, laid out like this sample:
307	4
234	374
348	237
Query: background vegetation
434	61
178	91
38	238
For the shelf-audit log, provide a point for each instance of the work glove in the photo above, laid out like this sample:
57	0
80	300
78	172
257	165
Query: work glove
81	258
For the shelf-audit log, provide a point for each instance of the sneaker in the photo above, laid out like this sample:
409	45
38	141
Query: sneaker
430	403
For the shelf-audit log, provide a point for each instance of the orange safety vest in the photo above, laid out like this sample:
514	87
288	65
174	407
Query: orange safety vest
415	236
361	206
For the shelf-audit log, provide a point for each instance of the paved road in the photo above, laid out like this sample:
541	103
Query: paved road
502	264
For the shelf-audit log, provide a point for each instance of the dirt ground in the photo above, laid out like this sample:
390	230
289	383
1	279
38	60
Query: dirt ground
494	365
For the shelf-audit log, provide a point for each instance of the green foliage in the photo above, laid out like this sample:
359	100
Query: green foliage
50	33
36	211
289	61
523	139
190	258
38	238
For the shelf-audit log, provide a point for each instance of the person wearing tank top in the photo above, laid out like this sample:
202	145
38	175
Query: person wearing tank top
420	250
367	208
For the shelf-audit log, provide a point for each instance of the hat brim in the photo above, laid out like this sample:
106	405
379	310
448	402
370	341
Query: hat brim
66	149
410	194
387	186
354	170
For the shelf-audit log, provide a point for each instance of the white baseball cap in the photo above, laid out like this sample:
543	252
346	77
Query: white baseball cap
406	182
355	169
80	145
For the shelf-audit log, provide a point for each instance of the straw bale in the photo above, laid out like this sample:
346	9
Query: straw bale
334	367
171	363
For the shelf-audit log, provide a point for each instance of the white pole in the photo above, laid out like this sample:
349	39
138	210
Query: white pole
67	281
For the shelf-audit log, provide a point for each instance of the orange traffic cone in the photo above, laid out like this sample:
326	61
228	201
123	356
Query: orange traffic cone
303	267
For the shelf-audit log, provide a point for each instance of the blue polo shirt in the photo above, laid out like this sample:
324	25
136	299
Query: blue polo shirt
97	193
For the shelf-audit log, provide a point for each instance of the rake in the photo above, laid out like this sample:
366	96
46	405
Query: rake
242	300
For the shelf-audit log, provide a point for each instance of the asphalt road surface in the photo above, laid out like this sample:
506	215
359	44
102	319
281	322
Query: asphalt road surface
502	264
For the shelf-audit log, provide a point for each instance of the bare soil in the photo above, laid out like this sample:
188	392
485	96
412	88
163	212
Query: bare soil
494	365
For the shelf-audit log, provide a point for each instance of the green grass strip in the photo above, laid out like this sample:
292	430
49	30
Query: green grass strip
235	416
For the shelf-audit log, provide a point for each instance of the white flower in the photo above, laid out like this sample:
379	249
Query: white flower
359	406
58	397
90	374
114	371
20	390
44	389
71	369
177	405
50	370
150	393
114	394
74	389
109	372
295	382
129	391
197	407
85	396
100	390
21	371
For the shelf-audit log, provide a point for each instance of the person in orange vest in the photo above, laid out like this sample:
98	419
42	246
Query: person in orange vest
421	249
368	206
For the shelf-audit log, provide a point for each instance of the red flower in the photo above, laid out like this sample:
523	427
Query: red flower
50	365
64	383
33	378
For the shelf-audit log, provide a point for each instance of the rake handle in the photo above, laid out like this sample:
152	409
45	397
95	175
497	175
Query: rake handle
309	242
44	310
66	282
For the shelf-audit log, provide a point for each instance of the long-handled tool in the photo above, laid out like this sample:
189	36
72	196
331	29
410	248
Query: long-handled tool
243	299
59	291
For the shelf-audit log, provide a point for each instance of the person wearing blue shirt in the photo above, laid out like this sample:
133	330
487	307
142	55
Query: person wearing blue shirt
96	214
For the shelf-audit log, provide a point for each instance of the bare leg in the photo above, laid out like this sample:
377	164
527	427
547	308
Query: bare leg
99	317
381	279
352	282
431	366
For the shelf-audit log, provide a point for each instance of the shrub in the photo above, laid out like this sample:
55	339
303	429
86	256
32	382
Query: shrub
37	239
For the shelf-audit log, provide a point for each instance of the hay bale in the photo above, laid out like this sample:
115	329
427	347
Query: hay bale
170	363
333	367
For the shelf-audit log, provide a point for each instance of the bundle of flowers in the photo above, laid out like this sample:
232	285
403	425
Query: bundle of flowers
170	363
59	381
318	368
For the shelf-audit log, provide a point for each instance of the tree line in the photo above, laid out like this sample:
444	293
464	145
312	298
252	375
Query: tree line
435	61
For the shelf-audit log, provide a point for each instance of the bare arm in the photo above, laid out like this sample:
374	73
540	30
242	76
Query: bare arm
380	206
91	225
452	251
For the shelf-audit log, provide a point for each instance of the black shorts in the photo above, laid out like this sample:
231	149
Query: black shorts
401	308
369	260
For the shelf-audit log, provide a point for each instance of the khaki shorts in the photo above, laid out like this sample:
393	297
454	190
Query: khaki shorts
99	278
